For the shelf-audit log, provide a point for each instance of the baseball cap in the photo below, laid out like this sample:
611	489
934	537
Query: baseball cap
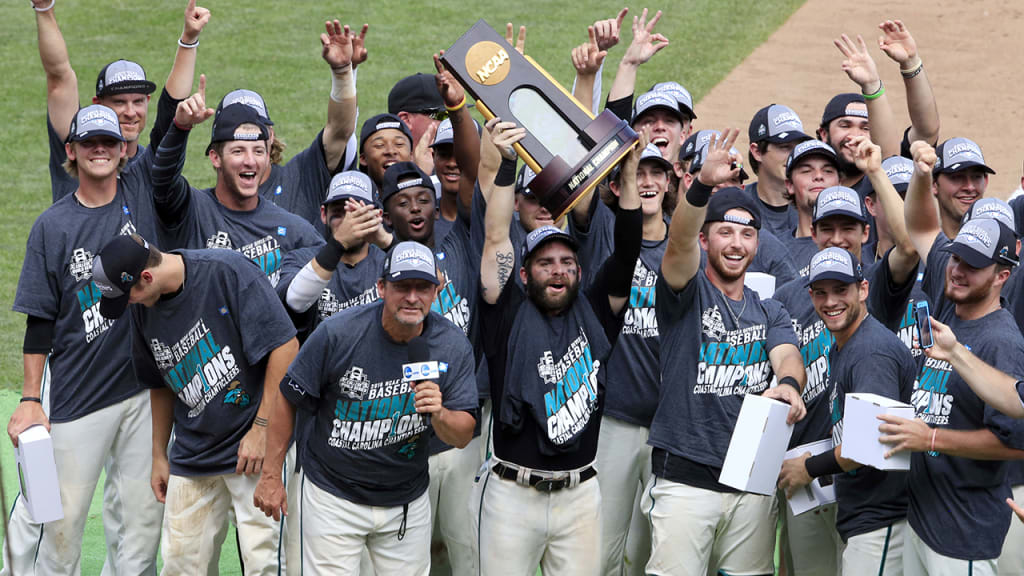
958	154
123	77
523	179
732	197
839	106
416	93
839	201
681	94
382	122
656	99
983	242
543	235
408	260
807	148
699	154
226	124
777	124
446	132
400	176
350	184
899	171
651	153
835	263
115	270
94	120
249	98
994	209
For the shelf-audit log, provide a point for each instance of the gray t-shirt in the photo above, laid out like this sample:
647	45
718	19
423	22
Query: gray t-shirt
801	250
368	444
872	361
300	186
349	285
209	344
779	220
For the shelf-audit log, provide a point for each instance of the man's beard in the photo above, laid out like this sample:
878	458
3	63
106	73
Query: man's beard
551	304
973	296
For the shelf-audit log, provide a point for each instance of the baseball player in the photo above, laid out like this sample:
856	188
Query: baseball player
416	101
365	467
93	393
872	504
212	342
701	312
539	502
774	131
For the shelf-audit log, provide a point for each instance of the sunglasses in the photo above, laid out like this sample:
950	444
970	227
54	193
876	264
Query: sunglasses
439	115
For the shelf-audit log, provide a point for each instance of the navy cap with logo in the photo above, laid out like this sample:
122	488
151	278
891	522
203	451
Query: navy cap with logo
807	149
694	142
839	201
899	170
994	209
729	198
983	242
777	124
410	260
653	100
249	98
835	263
842	105
92	121
541	236
383	122
958	154
523	179
681	94
123	77
650	153
699	154
402	176
350	184
115	270
416	93
226	125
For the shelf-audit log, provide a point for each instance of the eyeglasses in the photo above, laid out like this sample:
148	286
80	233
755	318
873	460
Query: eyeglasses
439	115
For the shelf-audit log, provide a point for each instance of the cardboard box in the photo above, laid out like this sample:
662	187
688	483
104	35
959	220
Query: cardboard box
815	494
758	446
37	472
763	284
860	431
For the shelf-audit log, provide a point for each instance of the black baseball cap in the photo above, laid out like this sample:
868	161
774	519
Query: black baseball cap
123	77
732	197
94	120
115	270
542	236
226	124
808	148
958	154
249	98
777	124
416	93
383	122
983	242
523	179
839	106
835	263
408	260
400	176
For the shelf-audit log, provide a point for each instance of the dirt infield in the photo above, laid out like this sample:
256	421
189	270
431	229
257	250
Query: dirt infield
968	51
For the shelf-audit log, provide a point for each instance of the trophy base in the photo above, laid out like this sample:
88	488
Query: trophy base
559	187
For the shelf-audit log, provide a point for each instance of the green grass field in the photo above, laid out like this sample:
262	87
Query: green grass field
273	47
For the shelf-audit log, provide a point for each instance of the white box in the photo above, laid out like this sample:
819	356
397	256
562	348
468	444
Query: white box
813	495
860	431
763	284
758	446
37	472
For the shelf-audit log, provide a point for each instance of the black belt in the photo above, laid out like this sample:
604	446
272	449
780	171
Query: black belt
539	482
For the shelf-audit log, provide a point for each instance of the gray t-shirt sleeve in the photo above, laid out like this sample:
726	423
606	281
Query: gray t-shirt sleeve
780	325
38	291
264	323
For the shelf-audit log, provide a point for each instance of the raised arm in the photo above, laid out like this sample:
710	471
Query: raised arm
921	209
899	45
465	138
629	224
861	68
179	81
61	81
171	191
587	59
606	35
337	44
646	43
682	253
498	261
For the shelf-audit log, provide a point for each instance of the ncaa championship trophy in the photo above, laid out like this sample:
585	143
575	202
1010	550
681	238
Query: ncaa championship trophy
566	146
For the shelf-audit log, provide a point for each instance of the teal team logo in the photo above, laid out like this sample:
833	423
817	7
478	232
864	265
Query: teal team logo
237	395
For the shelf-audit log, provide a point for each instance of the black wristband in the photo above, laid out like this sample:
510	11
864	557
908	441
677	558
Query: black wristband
31	399
824	464
506	175
330	254
699	193
789	380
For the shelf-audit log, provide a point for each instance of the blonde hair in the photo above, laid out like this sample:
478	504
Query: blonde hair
277	150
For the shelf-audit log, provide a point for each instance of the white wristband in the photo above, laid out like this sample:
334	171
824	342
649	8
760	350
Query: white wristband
343	87
47	9
305	289
192	45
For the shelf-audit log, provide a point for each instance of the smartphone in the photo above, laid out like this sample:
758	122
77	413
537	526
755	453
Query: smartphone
924	325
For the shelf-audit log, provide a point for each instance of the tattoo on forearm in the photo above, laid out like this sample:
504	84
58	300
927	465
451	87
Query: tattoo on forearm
506	261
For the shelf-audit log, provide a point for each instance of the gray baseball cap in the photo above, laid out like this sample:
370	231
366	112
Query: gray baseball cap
807	148
899	170
983	242
835	263
410	260
700	152
839	201
94	120
123	77
249	98
681	94
992	208
350	184
958	154
777	124
656	99
543	235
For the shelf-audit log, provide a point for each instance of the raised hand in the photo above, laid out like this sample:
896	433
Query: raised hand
520	42
451	91
924	157
606	32
859	65
587	57
720	163
646	43
337	45
897	43
192	110
359	224
359	54
196	18
504	135
866	154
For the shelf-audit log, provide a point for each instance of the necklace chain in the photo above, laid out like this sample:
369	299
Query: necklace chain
735	316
